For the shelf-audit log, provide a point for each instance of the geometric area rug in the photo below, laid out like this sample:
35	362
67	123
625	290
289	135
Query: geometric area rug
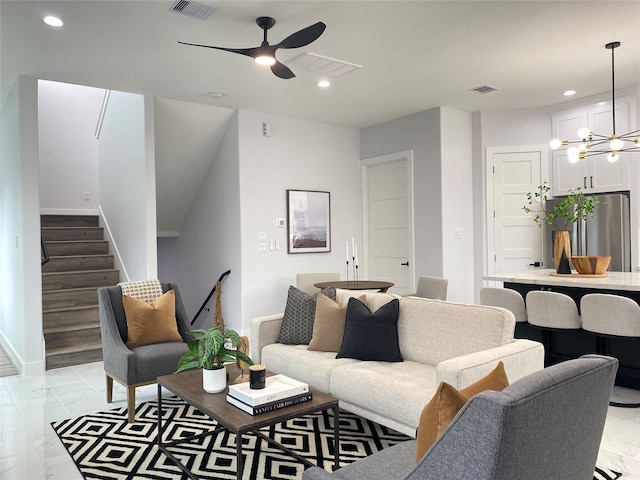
105	446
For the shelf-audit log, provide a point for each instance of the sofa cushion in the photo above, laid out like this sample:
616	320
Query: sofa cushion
447	401
309	366
329	323
395	390
431	331
299	313
153	322
371	336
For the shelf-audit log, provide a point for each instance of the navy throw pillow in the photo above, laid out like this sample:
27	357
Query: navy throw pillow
371	336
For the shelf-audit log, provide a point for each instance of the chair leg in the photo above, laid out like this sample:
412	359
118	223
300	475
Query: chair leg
109	387
131	403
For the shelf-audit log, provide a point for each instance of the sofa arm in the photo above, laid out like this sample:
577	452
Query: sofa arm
264	331
521	358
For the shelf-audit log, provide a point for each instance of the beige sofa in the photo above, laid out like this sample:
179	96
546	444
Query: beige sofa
439	341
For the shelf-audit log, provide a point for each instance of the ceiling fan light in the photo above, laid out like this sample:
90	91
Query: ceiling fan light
267	60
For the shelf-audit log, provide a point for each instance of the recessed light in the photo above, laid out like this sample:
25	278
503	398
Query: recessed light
568	93
324	83
53	21
216	95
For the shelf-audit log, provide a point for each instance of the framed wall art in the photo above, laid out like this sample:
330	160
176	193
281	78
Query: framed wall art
308	221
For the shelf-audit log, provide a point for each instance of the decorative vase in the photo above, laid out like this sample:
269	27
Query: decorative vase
561	243
215	380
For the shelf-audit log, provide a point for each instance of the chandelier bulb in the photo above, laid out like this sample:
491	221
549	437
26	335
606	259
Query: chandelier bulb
616	144
583	147
573	154
613	156
584	133
555	144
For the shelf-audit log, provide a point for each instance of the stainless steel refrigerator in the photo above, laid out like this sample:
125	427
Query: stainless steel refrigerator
607	232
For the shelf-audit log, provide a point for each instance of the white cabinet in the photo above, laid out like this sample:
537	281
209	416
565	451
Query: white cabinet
593	174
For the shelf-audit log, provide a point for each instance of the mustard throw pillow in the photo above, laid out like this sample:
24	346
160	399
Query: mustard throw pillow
445	404
151	322
328	325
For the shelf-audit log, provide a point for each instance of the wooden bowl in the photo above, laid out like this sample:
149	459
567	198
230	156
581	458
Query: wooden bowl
591	265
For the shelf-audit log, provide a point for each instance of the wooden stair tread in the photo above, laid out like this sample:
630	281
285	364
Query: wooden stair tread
74	308
81	271
71	290
86	346
71	328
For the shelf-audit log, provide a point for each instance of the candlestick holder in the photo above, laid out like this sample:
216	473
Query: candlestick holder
347	271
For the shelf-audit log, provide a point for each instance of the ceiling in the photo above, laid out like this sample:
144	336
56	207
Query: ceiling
415	55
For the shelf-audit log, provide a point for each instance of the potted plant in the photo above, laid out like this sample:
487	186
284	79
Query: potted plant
575	206
210	349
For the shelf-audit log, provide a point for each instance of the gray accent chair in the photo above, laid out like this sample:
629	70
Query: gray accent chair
140	365
545	425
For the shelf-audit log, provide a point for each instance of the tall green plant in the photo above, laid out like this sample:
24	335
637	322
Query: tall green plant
211	348
575	206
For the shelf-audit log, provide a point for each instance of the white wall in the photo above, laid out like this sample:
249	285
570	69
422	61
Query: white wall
127	184
209	241
299	155
68	148
457	204
421	133
20	283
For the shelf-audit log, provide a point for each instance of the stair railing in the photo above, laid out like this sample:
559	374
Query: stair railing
44	252
204	304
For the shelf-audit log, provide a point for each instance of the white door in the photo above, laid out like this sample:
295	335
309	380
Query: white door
388	220
514	240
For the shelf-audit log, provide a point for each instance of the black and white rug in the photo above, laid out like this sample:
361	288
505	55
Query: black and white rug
105	446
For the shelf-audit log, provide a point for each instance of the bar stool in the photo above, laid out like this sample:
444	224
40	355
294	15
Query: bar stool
552	312
610	317
505	298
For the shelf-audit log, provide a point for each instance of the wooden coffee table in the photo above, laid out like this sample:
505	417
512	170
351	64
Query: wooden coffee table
188	386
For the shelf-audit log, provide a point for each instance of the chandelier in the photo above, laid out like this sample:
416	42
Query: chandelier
591	143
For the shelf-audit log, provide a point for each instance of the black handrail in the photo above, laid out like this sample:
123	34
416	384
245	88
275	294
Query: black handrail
213	290
43	250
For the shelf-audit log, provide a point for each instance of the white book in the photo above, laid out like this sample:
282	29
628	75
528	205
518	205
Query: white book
268	407
277	387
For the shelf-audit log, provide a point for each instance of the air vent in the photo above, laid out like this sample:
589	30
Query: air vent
484	89
192	9
323	65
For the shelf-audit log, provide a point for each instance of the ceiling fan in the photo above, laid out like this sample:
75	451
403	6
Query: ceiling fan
265	54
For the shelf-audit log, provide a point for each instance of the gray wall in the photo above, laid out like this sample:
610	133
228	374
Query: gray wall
421	133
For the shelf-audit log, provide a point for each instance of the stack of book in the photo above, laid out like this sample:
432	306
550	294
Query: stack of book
280	391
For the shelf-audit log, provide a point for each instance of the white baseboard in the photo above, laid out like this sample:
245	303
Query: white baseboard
32	368
70	211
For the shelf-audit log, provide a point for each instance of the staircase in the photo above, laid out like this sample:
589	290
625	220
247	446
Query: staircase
79	264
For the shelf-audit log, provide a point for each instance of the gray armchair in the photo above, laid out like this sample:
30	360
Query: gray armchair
140	365
546	425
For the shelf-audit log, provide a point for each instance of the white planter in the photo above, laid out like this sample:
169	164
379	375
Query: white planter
214	381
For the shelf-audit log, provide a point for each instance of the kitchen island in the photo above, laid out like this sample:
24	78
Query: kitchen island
571	344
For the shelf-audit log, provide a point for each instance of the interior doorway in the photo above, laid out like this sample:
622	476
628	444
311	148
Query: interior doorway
514	240
388	220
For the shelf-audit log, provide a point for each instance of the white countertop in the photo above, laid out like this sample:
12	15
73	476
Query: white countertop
629	281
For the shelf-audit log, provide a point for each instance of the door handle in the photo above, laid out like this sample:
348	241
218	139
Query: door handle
535	264
405	264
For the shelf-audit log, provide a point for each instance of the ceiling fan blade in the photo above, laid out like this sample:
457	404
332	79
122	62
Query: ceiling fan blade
282	71
250	52
303	37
